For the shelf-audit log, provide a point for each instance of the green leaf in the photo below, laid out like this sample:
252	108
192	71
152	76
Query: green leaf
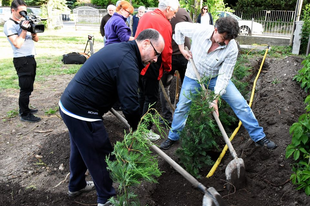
307	190
296	154
303	150
289	151
304	139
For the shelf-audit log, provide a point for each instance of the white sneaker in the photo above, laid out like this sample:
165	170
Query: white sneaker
108	203
152	136
89	187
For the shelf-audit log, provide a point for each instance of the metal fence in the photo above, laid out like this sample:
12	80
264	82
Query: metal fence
275	22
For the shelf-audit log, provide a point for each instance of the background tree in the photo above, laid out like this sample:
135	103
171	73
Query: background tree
135	3
193	6
250	7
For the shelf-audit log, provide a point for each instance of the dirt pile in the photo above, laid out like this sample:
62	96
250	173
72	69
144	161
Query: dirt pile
34	157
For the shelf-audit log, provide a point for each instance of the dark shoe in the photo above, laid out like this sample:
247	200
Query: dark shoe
89	187
266	143
167	144
32	111
30	118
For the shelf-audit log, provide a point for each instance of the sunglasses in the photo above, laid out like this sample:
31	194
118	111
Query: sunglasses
205	9
157	53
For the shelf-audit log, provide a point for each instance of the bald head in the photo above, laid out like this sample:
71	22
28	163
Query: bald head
151	44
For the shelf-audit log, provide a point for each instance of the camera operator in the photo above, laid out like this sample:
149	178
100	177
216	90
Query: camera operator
22	42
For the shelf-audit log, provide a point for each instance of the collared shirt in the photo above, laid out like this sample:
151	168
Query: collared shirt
220	62
11	28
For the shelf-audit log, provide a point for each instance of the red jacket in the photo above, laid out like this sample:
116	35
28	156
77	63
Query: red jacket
157	20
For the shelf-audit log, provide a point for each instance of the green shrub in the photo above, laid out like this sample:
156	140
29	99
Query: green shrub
303	75
134	162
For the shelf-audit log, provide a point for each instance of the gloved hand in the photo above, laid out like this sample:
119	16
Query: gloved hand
152	136
25	25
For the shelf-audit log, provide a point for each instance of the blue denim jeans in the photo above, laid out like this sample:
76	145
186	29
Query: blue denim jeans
232	96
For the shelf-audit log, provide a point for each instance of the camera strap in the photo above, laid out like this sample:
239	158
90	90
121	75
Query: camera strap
14	21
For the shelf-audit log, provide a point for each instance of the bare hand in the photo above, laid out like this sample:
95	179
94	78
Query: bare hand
186	54
215	107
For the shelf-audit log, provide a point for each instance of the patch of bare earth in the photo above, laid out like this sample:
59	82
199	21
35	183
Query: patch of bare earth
34	157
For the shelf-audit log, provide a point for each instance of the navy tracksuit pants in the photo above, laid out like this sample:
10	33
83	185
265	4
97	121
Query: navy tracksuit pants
89	145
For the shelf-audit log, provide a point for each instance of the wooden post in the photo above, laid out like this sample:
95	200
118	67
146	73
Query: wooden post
308	47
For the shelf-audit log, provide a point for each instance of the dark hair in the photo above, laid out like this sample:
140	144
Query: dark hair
201	10
228	25
150	34
16	3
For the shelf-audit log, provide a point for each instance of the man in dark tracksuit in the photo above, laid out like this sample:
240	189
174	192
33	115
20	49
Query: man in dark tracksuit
109	75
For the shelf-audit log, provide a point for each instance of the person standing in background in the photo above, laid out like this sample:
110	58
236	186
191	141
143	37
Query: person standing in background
158	19
135	19
179	62
111	10
205	17
22	42
116	29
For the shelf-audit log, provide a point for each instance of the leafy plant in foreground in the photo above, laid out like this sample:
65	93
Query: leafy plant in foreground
300	150
134	162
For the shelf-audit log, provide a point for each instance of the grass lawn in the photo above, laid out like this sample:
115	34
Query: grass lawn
50	49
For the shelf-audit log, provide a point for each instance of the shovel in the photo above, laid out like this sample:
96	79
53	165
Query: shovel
211	196
235	170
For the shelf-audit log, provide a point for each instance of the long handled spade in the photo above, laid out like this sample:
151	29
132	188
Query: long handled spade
211	196
235	170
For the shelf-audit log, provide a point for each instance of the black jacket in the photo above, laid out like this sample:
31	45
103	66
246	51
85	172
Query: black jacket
210	21
104	20
110	74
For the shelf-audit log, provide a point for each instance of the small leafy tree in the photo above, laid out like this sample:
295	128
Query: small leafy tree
198	136
134	162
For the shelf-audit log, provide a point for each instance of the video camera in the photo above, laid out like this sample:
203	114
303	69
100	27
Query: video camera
34	28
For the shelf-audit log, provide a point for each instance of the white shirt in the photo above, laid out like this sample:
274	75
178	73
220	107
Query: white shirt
205	19
220	62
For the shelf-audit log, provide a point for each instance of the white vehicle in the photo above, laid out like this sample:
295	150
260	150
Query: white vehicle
5	14
247	27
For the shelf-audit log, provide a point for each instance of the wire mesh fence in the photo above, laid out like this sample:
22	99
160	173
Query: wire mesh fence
274	22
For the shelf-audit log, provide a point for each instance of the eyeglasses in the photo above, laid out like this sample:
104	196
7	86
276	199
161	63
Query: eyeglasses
128	12
157	54
205	9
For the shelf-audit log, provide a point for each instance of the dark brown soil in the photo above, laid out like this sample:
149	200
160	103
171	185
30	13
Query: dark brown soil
34	157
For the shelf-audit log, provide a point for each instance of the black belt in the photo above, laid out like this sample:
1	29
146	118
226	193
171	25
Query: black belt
24	57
